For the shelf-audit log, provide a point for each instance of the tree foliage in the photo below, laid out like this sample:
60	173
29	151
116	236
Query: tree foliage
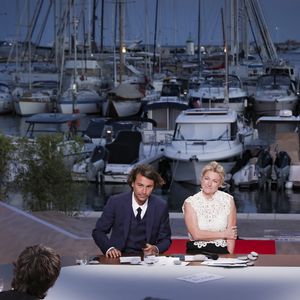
44	176
6	156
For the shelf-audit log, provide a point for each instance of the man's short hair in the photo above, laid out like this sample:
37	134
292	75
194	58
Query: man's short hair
36	270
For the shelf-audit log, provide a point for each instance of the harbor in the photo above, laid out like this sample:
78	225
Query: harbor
249	200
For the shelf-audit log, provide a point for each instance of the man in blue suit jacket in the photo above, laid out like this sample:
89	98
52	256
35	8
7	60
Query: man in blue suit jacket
133	232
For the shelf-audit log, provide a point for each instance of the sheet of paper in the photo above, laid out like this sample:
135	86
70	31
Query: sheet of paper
200	277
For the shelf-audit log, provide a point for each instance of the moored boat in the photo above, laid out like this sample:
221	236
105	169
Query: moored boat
33	102
215	92
274	92
204	135
84	101
123	101
119	149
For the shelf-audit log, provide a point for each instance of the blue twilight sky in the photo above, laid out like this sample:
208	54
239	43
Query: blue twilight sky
177	20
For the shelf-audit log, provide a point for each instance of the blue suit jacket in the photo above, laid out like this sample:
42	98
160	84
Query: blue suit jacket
116	218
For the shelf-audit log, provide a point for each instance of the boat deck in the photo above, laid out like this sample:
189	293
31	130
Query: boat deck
71	235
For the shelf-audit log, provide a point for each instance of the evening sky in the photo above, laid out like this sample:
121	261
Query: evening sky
177	20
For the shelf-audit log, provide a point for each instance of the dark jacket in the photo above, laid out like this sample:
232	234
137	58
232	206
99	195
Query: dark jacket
15	295
116	218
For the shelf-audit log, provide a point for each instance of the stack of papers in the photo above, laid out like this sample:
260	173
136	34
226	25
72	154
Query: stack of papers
134	260
225	262
197	257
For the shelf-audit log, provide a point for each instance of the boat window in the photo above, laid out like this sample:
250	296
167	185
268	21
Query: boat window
211	132
271	82
178	134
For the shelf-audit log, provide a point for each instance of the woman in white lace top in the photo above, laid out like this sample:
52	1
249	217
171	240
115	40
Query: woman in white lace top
210	215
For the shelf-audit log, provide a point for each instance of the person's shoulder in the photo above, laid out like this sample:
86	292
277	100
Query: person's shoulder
158	200
120	196
193	198
225	195
7	295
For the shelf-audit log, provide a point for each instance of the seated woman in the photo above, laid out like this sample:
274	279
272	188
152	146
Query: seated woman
210	215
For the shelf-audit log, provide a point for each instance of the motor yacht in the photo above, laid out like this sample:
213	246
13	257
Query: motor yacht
203	135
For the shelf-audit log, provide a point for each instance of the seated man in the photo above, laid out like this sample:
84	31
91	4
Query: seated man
138	221
35	271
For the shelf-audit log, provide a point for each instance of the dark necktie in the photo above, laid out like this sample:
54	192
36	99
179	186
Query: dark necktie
138	216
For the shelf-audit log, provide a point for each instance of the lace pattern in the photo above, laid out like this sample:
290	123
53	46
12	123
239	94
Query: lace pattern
211	214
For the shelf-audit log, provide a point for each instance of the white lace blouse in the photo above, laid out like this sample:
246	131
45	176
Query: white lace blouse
211	214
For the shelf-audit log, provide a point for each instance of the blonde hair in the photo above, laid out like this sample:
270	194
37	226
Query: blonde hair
214	167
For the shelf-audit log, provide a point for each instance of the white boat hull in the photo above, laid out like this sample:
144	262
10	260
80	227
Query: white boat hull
270	106
66	107
246	177
118	173
190	172
188	166
27	108
85	101
127	108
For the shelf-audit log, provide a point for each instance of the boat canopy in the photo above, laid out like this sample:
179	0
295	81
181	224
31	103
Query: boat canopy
55	119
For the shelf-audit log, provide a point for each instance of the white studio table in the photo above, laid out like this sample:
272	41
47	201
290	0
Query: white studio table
138	282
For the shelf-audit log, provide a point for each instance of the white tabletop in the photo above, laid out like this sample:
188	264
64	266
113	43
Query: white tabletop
137	282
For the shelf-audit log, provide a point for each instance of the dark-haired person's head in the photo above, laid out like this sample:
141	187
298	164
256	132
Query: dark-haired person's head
147	171
36	270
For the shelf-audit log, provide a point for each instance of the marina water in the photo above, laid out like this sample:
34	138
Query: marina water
268	201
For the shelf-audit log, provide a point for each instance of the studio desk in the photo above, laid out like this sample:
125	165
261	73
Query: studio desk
273	277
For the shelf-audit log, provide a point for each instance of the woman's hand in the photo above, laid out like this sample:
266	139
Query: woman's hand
150	250
231	233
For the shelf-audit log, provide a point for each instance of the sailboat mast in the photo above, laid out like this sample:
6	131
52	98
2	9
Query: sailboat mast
29	44
155	34
199	37
102	24
93	34
121	37
115	42
74	88
226	92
